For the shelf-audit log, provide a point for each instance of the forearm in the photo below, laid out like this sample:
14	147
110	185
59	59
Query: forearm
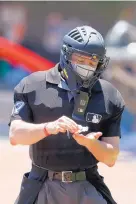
25	133
103	152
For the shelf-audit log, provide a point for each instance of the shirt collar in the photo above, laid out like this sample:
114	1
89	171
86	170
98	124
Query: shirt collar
64	86
53	76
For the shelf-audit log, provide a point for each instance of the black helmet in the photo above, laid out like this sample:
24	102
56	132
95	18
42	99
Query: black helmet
82	57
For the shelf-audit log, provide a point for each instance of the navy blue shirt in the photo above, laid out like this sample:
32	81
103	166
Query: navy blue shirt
40	98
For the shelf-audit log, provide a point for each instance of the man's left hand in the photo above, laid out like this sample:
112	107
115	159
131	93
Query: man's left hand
85	140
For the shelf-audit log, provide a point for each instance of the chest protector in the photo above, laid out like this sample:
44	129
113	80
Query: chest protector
56	152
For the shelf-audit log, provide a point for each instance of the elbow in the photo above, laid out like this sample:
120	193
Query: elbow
111	164
13	133
111	161
12	137
12	141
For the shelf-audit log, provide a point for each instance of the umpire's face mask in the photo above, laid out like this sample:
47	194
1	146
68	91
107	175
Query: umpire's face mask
84	66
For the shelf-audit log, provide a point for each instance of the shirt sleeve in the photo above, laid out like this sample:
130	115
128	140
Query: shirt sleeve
21	109
112	126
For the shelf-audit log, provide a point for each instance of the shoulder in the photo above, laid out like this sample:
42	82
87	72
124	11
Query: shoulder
38	79
111	94
31	82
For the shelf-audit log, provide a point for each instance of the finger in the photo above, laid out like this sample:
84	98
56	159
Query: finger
73	125
78	135
64	120
97	135
61	130
72	122
66	126
62	125
77	132
60	119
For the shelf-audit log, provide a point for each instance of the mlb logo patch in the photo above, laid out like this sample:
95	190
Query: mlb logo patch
93	118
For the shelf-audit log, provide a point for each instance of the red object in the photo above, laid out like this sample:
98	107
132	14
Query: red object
18	54
45	131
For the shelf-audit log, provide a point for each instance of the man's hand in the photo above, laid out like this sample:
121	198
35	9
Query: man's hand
63	124
105	152
85	140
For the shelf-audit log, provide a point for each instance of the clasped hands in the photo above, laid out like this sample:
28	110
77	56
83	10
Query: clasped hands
64	124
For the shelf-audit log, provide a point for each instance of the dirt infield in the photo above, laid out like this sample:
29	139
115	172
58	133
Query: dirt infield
14	162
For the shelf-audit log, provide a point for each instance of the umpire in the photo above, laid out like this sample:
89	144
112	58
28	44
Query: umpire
71	120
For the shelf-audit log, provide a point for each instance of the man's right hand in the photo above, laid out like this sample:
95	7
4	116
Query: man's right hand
63	124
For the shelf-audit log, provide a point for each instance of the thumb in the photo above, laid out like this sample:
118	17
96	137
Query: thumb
97	135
